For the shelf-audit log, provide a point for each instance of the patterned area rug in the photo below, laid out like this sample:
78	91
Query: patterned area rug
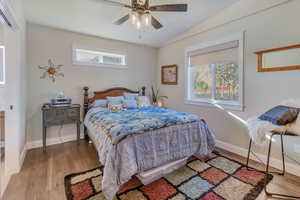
213	178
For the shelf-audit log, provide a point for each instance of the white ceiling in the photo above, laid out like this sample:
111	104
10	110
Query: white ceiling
95	18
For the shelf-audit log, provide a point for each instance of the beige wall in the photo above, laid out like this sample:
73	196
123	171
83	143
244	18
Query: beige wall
265	29
44	43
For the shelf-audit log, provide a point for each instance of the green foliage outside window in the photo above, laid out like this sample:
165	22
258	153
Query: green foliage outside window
226	77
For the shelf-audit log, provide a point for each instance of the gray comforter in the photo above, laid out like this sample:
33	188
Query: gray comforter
146	151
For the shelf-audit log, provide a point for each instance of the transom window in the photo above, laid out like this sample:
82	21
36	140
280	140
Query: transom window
98	58
215	73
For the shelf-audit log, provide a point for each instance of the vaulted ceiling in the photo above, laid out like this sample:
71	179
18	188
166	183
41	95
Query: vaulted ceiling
95	18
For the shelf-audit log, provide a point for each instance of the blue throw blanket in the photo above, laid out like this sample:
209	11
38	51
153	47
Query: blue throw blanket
120	124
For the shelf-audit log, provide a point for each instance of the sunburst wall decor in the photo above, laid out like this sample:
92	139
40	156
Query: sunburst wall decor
52	71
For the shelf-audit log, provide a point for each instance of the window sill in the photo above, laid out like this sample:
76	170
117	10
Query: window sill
221	105
113	66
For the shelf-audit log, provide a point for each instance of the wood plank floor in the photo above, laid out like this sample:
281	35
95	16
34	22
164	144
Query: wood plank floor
42	175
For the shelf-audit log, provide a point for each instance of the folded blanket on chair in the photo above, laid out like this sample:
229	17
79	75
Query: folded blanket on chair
259	129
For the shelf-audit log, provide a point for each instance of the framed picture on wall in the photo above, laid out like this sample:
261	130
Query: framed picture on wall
169	75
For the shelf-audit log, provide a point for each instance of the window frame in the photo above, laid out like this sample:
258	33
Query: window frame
232	105
101	65
2	83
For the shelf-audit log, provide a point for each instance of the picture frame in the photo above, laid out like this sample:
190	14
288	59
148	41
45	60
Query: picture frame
169	75
279	59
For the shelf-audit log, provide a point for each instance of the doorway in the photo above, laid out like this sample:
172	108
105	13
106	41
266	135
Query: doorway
2	108
2	148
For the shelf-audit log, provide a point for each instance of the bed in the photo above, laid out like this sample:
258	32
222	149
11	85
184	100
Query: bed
143	140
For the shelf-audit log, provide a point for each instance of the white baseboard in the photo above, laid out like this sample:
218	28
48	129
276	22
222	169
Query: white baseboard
52	141
22	157
276	163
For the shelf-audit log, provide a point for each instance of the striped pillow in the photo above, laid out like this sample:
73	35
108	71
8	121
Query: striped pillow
280	115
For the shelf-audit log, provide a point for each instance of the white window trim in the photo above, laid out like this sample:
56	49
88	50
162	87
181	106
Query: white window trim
239	106
104	65
2	83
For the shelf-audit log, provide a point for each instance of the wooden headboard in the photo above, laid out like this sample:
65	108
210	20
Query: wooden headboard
112	92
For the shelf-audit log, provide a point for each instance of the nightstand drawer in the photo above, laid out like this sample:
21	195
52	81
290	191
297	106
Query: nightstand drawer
73	113
60	116
54	116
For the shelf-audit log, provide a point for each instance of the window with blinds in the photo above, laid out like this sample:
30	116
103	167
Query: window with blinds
214	73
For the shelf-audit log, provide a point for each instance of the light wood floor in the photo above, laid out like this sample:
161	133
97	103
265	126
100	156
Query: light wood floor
42	175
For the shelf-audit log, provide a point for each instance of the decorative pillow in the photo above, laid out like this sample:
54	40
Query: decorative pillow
280	115
143	101
293	127
116	100
99	103
115	107
130	96
130	104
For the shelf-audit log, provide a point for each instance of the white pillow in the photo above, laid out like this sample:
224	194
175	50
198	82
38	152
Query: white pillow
130	96
143	101
293	127
116	100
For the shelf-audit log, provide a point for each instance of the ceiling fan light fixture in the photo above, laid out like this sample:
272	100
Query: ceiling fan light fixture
147	18
140	15
134	17
138	24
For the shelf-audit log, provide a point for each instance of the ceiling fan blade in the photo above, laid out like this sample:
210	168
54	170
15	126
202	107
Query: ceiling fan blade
170	8
114	3
155	23
122	20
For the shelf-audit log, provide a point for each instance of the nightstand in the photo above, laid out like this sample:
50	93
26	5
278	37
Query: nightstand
53	116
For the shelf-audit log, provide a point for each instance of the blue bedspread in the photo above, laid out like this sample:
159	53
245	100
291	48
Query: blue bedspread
120	124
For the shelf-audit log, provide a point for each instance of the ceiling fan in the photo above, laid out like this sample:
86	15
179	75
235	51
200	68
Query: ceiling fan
141	12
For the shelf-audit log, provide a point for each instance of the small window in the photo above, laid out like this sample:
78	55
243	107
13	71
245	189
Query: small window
2	65
215	73
98	58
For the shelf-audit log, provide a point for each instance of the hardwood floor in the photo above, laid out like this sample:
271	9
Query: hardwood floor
42	175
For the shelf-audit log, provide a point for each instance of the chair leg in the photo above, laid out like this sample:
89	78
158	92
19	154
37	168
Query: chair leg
267	170
248	157
269	156
282	154
269	153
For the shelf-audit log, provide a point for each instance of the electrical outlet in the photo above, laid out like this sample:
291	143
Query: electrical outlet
297	148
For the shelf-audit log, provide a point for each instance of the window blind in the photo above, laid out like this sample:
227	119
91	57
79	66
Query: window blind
215	54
